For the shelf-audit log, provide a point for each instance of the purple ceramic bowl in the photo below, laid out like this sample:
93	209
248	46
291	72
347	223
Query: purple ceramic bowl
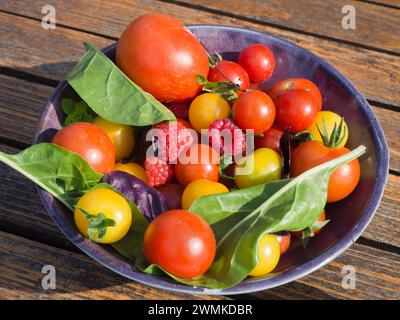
349	217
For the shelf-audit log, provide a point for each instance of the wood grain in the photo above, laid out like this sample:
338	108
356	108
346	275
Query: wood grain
375	26
21	103
363	67
22	211
390	3
77	276
377	277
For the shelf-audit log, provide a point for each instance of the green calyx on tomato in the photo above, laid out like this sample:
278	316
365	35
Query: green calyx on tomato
311	231
97	224
224	162
226	90
337	135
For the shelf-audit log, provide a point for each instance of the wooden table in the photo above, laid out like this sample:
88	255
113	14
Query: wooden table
34	60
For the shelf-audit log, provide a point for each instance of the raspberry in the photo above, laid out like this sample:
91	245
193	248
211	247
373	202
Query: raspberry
180	110
175	137
158	172
235	145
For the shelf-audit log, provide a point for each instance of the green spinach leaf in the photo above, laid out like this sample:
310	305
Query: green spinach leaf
64	174
111	94
292	205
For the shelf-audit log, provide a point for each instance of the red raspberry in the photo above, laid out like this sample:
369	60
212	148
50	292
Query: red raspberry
158	172
177	137
216	137
180	110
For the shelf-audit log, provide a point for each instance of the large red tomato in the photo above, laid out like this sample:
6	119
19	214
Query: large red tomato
342	181
156	52
181	243
90	142
226	71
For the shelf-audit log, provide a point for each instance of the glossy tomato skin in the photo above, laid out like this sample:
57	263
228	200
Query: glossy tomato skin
198	188
181	243
269	139
254	110
156	52
226	71
343	180
206	108
203	164
295	109
132	168
268	252
112	205
328	118
172	193
121	135
295	83
284	240
90	142
258	61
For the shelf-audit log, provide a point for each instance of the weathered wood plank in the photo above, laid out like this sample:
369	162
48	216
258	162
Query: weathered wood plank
390	3
362	66
377	277
375	26
21	103
21	210
77	276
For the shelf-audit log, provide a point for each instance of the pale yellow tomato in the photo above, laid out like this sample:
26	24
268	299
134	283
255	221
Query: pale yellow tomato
132	168
261	166
198	188
330	119
121	135
115	213
268	254
206	108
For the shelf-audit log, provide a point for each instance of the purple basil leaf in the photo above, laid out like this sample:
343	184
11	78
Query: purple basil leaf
285	146
149	200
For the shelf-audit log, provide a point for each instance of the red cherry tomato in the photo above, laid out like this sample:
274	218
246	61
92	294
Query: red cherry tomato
342	181
295	109
162	57
322	217
254	110
284	240
269	139
203	164
181	243
226	71
173	194
295	83
258	61
90	142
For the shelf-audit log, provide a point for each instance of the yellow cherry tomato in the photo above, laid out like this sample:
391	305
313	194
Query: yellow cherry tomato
132	168
268	254
262	165
206	108
121	135
200	187
330	119
110	208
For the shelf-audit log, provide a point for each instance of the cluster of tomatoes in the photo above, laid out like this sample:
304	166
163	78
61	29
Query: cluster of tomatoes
179	241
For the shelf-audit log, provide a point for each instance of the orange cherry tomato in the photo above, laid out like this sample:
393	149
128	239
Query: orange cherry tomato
203	164
343	180
90	142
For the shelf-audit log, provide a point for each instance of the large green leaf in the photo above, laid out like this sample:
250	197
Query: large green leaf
111	94
292	205
62	173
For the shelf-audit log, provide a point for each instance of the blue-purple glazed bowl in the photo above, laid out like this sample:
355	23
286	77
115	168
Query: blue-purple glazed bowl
349	217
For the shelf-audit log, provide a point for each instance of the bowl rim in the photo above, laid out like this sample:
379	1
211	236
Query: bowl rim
263	283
